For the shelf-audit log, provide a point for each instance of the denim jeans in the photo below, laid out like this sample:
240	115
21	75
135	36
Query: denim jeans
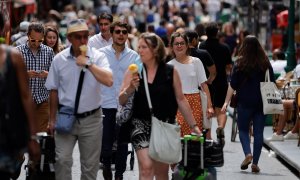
245	116
109	137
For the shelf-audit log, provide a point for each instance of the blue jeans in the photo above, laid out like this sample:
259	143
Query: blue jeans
245	116
109	137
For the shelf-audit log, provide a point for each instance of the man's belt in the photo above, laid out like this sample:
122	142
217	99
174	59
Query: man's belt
88	113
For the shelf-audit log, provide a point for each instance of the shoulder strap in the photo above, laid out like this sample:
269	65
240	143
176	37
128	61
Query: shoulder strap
196	70
147	89
78	93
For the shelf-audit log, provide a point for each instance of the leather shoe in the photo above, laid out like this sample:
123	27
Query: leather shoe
246	162
255	168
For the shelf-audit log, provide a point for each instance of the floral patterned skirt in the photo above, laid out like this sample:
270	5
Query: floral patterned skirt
195	103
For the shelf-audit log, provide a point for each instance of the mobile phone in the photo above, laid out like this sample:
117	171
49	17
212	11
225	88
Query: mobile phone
39	71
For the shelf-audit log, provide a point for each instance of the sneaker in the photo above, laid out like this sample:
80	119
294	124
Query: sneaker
291	135
276	137
246	162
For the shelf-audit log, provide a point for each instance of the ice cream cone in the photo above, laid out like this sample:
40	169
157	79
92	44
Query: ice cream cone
133	68
83	49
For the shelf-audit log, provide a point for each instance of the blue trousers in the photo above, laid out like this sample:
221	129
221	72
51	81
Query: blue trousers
109	137
245	116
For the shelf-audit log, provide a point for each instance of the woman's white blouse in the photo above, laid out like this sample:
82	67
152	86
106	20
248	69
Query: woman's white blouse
192	75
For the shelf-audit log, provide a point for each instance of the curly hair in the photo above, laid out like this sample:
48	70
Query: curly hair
155	43
252	56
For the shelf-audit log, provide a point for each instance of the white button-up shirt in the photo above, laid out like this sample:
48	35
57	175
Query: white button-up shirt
98	42
64	76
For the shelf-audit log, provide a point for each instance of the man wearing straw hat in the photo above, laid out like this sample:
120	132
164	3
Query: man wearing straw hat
62	82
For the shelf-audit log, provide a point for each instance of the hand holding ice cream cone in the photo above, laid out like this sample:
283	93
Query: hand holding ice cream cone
81	60
133	69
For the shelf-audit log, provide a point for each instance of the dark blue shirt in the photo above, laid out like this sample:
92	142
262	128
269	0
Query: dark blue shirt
248	87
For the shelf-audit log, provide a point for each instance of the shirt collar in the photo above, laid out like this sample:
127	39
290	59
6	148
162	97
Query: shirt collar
125	50
102	39
28	48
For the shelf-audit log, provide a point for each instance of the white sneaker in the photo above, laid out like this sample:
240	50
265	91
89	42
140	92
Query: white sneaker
276	137
291	135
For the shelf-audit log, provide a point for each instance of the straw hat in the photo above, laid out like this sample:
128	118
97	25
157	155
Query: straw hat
77	25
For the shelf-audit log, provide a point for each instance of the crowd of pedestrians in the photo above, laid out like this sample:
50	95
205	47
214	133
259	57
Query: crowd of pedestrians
182	54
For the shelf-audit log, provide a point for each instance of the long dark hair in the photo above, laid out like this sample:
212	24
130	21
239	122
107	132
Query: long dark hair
252	56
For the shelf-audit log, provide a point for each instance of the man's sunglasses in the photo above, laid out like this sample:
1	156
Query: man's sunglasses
79	37
36	40
119	31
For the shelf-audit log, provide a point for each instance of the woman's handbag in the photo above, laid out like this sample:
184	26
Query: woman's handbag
165	145
271	97
123	120
124	113
206	121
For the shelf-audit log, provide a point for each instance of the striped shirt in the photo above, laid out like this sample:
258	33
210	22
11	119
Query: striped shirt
40	62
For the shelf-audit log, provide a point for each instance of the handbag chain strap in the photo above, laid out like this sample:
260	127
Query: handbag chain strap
147	90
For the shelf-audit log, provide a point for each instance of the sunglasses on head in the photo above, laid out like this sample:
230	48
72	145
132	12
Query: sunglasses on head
119	31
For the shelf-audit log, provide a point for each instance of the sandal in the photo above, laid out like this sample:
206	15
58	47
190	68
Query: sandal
246	162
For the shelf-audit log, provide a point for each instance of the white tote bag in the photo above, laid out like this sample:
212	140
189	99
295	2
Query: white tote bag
271	97
206	121
165	145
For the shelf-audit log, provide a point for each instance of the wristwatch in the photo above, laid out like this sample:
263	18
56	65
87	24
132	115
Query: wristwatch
89	63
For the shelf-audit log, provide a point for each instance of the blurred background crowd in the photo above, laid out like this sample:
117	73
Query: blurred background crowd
267	19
